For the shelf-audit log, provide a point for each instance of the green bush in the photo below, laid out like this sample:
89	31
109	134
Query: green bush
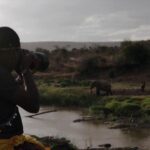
146	105
132	100
96	109
126	107
114	106
129	109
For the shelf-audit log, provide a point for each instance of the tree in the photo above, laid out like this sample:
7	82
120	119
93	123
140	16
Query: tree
90	65
135	53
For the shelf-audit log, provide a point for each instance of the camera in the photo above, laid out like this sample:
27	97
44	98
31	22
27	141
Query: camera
40	61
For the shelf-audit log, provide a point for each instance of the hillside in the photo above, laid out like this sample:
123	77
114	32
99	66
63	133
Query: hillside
112	63
68	45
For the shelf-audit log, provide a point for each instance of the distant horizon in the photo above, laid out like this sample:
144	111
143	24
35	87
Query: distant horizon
83	41
70	41
50	45
119	41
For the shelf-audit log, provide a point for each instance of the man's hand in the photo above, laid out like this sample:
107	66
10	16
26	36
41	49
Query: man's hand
26	62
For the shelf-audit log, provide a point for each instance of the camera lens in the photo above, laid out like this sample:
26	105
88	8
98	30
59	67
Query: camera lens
43	61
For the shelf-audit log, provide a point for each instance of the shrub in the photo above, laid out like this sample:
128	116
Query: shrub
129	109
97	110
90	66
146	106
132	100
124	108
57	143
146	103
114	106
135	53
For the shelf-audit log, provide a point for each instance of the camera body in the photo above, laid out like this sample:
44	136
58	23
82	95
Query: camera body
40	61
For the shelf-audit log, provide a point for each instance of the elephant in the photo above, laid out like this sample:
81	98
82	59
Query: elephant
101	86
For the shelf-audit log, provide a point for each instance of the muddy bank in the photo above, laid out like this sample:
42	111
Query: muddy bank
64	144
129	126
113	125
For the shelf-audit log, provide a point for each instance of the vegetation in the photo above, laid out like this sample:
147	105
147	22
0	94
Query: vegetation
99	61
105	107
135	53
56	143
90	65
130	108
63	85
146	106
66	96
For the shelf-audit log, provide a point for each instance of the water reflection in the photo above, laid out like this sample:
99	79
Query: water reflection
82	134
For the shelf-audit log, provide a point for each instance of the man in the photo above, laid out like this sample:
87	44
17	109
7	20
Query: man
22	92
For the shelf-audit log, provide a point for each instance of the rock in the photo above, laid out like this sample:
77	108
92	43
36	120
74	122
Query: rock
120	126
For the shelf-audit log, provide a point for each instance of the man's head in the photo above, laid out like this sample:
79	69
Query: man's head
9	38
9	48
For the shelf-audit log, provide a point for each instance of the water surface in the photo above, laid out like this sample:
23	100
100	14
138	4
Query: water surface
82	134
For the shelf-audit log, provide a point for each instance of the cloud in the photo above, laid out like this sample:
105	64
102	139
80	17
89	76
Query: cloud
79	20
114	26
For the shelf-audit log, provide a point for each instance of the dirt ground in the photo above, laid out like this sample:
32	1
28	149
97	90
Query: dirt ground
131	92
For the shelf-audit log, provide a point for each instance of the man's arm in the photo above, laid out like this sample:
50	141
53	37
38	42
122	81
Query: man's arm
27	96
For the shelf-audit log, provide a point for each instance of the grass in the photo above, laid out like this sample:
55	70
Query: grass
120	85
128	107
66	96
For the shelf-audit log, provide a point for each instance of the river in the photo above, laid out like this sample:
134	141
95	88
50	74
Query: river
82	134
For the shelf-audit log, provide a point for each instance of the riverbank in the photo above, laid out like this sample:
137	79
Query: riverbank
125	112
62	143
134	111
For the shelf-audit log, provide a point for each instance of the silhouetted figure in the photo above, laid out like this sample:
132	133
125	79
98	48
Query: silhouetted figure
13	93
143	86
101	86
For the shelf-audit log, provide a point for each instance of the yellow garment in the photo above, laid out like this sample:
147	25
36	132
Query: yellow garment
9	144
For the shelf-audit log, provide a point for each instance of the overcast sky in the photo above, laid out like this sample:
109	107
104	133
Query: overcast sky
77	20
